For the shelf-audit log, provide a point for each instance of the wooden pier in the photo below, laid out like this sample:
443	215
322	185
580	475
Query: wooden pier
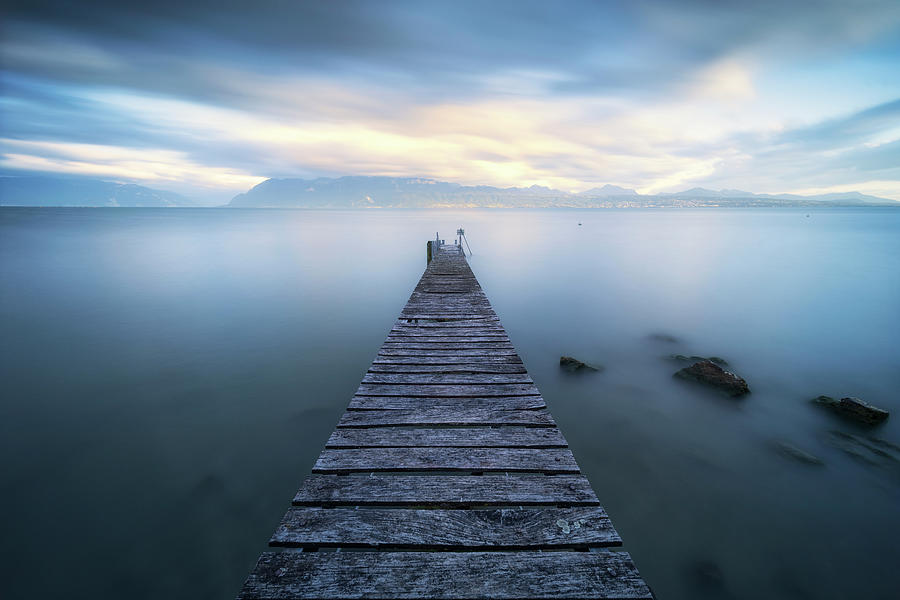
447	476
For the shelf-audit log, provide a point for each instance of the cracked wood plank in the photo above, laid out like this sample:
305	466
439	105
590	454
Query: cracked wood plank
449	437
444	575
519	489
531	528
464	416
363	460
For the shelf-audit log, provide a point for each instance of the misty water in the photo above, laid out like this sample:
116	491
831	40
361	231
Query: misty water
170	375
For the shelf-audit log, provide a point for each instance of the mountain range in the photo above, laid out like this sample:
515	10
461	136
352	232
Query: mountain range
397	192
394	192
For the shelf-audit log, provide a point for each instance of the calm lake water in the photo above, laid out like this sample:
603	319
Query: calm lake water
170	375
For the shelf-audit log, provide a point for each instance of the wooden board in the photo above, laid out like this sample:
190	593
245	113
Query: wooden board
446	490
463	368
437	390
450	437
456	340
446	345
364	460
492	330
379	418
455	403
447	360
447	379
444	575
531	528
484	353
449	325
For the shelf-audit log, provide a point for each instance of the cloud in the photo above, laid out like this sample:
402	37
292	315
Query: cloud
651	95
118	163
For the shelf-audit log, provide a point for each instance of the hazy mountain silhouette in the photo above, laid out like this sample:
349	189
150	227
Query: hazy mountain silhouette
394	192
63	191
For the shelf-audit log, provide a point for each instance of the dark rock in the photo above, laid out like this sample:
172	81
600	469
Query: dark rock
853	408
663	337
712	374
573	364
716	359
796	453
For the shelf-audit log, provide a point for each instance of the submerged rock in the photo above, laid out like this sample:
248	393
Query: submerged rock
871	452
853	408
573	364
716	359
663	337
705	574
884	443
713	375
796	453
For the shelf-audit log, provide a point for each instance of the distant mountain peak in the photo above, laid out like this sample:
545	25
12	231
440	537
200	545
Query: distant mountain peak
608	190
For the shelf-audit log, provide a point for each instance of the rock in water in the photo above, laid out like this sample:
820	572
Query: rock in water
663	337
854	408
716	359
712	374
573	364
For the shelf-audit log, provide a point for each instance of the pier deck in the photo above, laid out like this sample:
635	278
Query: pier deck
446	477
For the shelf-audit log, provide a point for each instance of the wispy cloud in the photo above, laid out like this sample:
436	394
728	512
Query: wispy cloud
651	95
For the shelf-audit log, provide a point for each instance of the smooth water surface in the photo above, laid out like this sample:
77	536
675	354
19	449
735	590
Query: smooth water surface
170	375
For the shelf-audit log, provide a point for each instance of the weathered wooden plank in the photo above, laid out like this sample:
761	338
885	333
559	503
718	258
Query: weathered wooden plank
437	378
431	313
438	302
465	368
483	359
446	403
413	330
448	303
437	293
364	460
445	324
448	437
521	489
447	332
447	315
459	340
530	528
446	345
461	390
445	416
444	575
444	290
483	352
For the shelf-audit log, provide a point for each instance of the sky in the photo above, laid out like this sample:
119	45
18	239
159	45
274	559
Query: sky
211	98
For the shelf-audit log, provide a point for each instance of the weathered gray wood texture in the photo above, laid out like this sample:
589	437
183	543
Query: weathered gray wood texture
447	445
446	490
531	528
368	460
445	575
448	437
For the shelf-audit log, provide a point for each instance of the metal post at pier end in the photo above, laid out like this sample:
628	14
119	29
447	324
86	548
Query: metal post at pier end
461	233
